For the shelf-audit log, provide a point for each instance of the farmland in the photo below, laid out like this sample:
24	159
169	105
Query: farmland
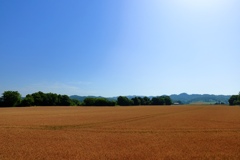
146	132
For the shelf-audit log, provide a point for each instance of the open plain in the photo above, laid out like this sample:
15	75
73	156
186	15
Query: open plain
146	132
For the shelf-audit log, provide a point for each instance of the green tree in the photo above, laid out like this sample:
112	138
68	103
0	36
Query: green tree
89	101
50	99
104	102
124	101
76	102
11	98
161	100
167	100
233	99
101	102
237	100
64	100
146	101
158	100
136	101
1	102
28	101
38	98
112	103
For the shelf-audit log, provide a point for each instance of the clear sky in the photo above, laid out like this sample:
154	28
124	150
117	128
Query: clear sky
126	47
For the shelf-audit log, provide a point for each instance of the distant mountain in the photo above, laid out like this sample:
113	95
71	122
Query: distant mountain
200	98
183	98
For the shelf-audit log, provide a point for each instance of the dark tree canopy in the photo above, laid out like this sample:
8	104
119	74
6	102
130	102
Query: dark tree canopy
11	98
234	99
124	101
48	99
161	100
1	102
28	101
98	102
146	101
137	101
89	101
167	100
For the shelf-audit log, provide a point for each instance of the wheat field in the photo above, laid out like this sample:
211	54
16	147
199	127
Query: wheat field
146	132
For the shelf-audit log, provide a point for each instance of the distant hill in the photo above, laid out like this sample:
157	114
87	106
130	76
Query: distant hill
200	98
183	98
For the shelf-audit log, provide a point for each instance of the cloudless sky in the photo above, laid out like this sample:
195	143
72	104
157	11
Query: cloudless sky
128	47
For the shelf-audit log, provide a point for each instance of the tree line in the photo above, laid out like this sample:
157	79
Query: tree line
14	99
159	100
234	99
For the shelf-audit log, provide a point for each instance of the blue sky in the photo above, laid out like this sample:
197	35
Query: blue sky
128	47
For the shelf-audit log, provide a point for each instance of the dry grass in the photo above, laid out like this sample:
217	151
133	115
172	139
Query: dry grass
172	132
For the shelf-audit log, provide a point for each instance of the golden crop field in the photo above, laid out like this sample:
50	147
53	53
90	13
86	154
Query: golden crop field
146	132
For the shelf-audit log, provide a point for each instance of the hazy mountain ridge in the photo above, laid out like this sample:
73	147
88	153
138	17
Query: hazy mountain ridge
183	98
204	98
